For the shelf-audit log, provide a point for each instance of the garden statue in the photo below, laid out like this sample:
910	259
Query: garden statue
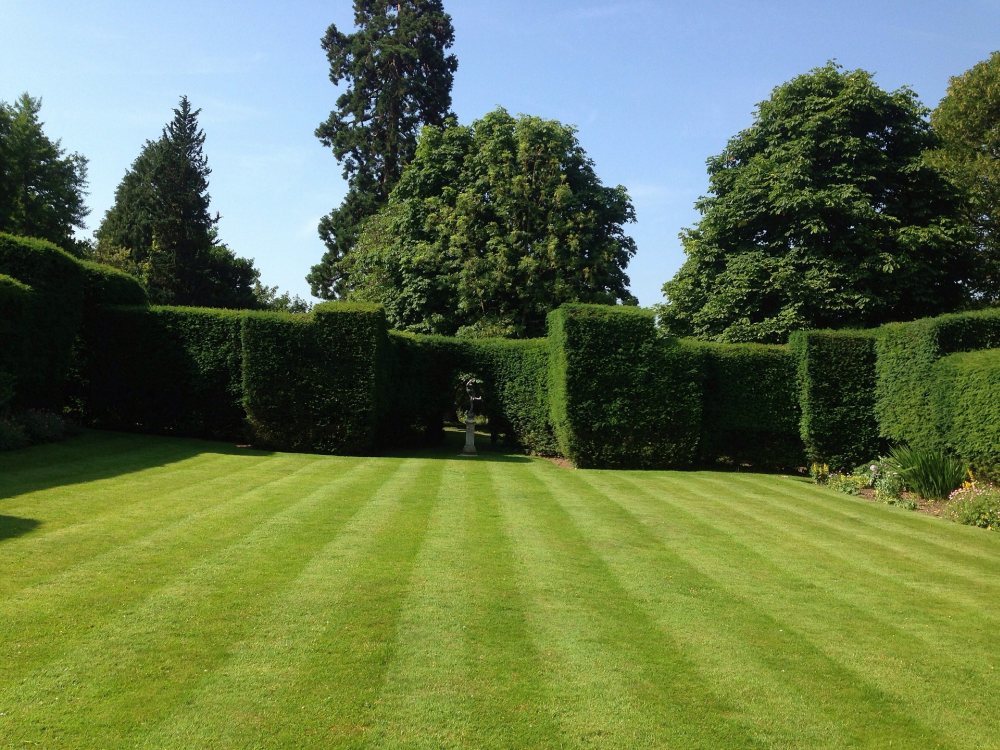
470	418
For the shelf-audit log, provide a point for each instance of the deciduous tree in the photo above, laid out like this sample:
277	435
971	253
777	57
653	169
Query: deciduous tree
823	213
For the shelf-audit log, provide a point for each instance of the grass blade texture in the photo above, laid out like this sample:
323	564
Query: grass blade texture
168	593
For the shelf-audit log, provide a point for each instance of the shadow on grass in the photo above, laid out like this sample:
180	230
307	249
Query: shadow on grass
96	455
13	526
451	446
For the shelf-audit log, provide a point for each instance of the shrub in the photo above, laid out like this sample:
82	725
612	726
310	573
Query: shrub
751	409
906	357
929	472
42	426
836	382
975	506
965	406
12	435
622	396
849	484
104	285
316	382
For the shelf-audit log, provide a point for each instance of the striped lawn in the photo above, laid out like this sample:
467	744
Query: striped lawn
163	593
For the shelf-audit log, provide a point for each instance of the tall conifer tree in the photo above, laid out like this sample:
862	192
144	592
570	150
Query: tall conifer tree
399	79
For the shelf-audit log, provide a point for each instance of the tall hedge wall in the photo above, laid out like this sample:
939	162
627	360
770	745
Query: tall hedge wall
316	382
751	409
162	369
906	355
965	403
837	396
622	396
15	305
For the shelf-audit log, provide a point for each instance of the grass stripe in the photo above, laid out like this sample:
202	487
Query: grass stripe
316	657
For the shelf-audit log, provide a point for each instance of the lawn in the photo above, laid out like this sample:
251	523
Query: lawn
167	593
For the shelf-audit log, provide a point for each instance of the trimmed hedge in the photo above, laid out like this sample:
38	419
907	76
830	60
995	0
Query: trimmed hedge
836	375
906	355
622	396
104	285
751	411
163	370
965	402
50	326
16	301
316	382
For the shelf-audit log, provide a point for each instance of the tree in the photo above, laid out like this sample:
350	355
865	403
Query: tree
968	122
490	227
41	186
399	79
823	213
161	230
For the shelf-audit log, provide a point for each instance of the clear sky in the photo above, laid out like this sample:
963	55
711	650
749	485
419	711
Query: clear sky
654	89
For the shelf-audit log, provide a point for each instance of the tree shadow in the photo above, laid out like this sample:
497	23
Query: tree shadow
450	449
96	455
14	526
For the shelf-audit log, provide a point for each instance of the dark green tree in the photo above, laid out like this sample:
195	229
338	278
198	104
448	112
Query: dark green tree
41	186
823	213
399	78
490	227
161	229
968	122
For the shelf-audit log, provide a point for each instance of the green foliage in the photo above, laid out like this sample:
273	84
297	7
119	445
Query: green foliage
836	376
399	78
965	404
162	369
822	214
849	484
931	473
751	411
490	227
621	395
160	228
106	285
12	434
41	187
968	123
43	426
316	382
48	318
975	505
906	355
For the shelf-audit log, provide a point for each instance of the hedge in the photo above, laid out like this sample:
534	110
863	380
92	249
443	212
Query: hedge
316	382
162	369
965	403
622	396
104	285
751	411
906	355
16	301
836	375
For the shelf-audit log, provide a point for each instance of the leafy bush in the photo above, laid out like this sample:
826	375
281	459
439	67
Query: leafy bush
12	435
975	506
849	484
965	405
43	426
929	472
906	357
751	410
836	382
622	396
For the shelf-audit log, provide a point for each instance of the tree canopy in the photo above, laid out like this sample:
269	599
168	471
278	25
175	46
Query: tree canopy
823	213
490	227
41	186
968	122
399	78
160	227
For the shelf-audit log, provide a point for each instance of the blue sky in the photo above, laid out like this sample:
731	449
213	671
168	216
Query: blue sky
654	88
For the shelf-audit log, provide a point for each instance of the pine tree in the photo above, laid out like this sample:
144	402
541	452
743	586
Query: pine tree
161	229
41	187
399	79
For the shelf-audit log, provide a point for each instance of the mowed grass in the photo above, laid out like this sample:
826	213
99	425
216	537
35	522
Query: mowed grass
162	593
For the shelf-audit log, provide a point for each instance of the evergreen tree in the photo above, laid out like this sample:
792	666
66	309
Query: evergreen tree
398	79
41	187
160	227
823	213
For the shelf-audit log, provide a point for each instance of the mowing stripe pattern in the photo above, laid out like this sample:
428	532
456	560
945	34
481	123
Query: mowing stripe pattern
166	593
